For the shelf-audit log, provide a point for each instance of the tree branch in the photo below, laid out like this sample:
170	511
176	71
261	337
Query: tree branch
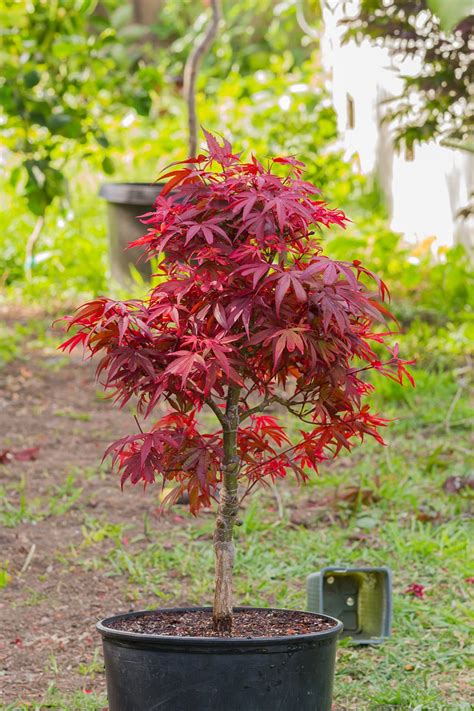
258	408
301	415
294	446
216	410
191	69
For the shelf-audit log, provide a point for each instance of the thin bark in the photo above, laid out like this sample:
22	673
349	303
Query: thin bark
191	69
216	410
226	519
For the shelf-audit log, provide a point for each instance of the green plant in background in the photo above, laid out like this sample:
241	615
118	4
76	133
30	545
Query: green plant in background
81	700
249	36
420	277
5	576
435	100
450	13
65	71
261	84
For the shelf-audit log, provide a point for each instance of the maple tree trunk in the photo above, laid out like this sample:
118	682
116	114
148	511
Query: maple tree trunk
226	519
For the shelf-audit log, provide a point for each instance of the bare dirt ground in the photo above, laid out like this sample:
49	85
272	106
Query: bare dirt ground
50	606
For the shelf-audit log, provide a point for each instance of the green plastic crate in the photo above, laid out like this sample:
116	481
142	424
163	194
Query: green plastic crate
360	597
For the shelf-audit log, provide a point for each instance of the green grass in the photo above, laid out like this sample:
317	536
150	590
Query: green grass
16	507
72	415
19	340
81	700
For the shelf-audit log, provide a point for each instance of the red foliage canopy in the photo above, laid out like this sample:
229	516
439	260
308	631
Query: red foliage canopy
245	298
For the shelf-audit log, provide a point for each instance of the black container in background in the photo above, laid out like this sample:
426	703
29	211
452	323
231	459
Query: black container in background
148	672
125	202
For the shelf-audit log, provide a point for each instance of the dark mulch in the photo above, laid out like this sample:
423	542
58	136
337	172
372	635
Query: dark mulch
247	623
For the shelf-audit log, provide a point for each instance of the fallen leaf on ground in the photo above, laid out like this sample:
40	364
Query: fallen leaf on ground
416	590
356	495
26	455
455	484
21	455
425	514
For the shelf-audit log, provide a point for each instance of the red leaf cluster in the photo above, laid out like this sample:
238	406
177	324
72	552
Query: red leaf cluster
244	298
416	590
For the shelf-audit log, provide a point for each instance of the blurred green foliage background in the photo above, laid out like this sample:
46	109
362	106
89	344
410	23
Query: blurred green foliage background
87	95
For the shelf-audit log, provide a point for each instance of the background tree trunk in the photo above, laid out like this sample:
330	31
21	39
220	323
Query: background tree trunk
146	11
191	69
226	519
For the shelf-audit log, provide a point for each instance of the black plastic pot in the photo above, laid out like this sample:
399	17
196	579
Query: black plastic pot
152	672
125	202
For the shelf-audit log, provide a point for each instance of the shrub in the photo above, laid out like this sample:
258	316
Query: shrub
248	313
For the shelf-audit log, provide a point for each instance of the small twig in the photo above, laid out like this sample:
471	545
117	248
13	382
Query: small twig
191	69
249	489
138	424
217	411
31	244
450	411
281	509
301	414
331	6
28	560
258	408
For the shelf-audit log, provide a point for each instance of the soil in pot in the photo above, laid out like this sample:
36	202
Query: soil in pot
248	624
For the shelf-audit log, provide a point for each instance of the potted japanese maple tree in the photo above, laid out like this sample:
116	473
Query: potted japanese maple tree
249	316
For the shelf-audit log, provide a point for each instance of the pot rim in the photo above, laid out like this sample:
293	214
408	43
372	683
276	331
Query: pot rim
131	193
124	636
